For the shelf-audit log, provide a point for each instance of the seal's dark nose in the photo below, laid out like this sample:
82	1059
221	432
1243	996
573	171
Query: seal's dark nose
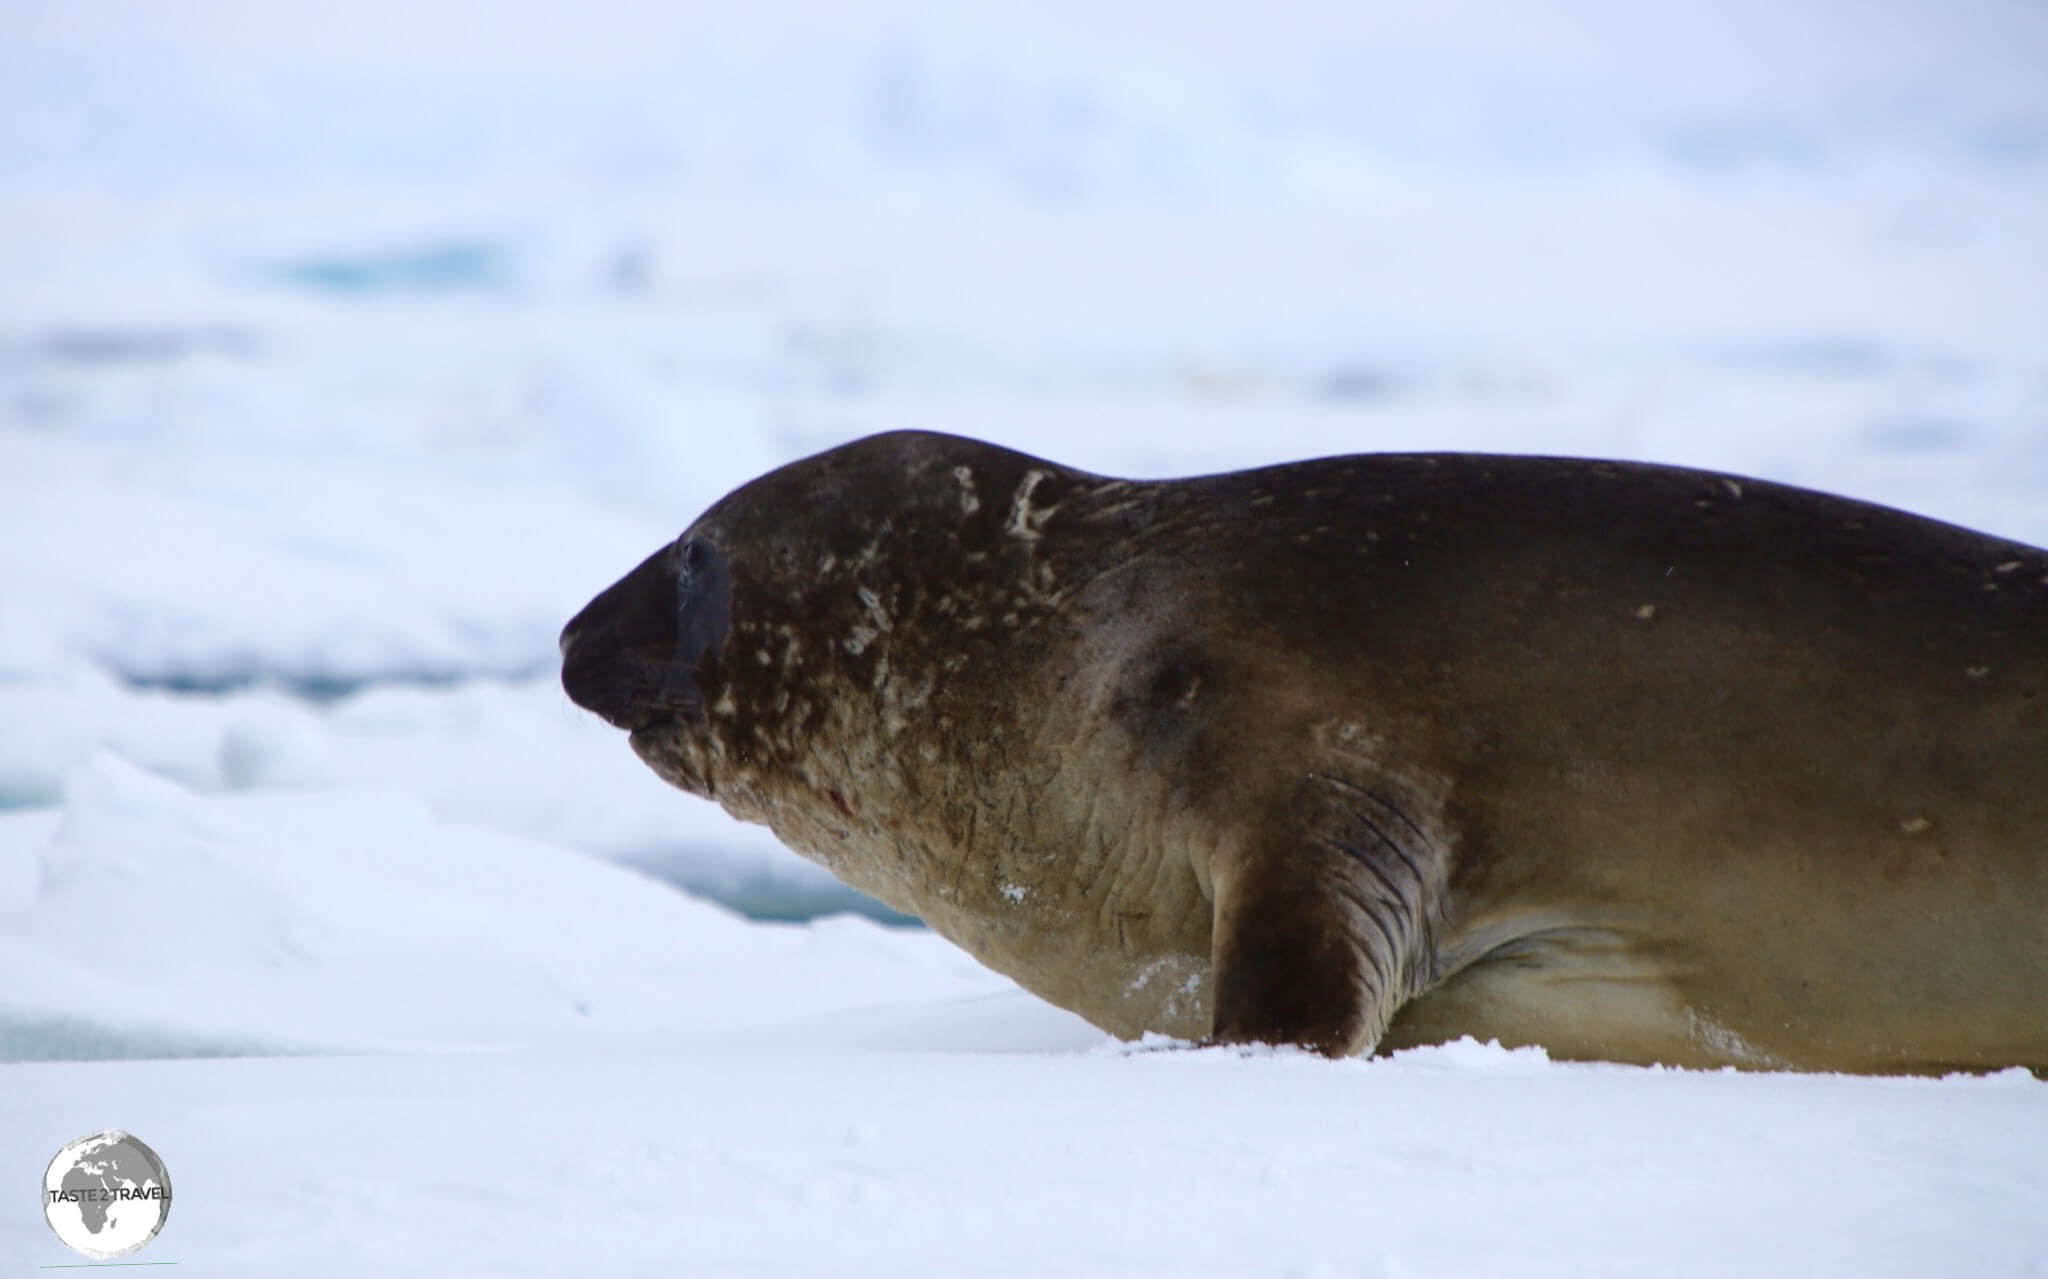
617	652
596	680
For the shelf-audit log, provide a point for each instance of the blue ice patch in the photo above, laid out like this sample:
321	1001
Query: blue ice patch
447	266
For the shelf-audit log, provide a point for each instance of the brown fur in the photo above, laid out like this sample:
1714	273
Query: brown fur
1637	763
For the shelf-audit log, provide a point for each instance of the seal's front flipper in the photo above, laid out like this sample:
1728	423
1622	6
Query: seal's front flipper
1326	926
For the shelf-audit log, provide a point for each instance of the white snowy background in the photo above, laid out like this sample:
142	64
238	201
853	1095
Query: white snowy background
346	350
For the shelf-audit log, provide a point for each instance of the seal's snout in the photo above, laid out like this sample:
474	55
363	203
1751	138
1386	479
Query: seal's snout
596	678
618	654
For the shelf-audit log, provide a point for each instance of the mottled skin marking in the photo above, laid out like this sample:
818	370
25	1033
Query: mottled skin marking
1637	763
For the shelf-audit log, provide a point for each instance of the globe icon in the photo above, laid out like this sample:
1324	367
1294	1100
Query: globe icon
106	1194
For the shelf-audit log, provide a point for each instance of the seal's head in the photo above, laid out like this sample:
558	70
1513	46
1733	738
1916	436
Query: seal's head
760	652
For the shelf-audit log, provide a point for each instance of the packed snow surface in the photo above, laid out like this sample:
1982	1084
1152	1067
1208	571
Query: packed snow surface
345	352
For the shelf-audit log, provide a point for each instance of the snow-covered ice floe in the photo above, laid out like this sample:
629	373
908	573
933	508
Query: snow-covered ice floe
737	1159
344	355
151	921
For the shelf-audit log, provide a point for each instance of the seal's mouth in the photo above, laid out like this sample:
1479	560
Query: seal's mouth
612	685
628	691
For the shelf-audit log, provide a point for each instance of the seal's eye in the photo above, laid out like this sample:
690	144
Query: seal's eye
694	558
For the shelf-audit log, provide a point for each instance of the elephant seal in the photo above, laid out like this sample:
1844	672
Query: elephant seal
1633	762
